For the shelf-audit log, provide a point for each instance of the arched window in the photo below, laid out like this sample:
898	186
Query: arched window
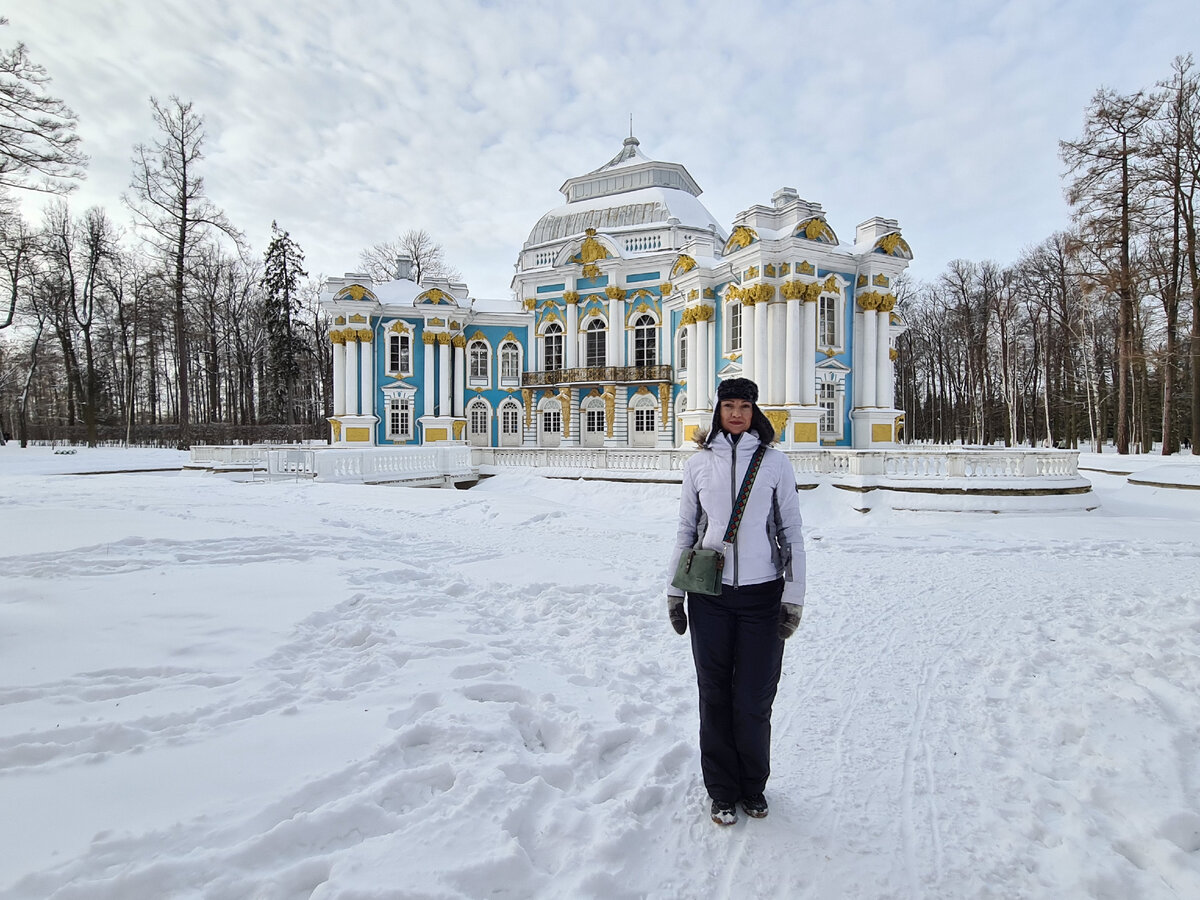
479	362
645	342
510	418
552	342
683	349
478	424
510	363
594	344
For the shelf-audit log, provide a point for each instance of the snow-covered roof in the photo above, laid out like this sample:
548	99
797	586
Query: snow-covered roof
629	209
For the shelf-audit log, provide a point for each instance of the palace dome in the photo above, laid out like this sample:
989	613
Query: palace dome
630	191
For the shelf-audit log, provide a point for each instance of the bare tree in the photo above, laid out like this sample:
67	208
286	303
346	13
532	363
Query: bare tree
428	258
1102	164
170	205
39	148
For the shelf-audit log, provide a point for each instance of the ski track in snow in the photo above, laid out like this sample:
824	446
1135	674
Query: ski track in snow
482	697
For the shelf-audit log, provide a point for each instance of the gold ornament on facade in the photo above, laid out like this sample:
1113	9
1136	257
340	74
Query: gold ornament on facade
769	270
893	245
741	238
591	270
831	285
337	337
805	268
710	294
527	396
732	292
869	300
337	429
570	297
751	272
664	396
614	293
815	230
610	407
458	429
437	323
893	355
564	397
401	328
356	319
887	303
785	269
829	352
530	303
665	288
364	335
693	294
509	337
862	281
443	339
340	320
459	341
428	337
778	419
684	264
880	280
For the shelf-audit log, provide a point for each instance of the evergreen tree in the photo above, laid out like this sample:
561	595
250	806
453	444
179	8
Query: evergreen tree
283	267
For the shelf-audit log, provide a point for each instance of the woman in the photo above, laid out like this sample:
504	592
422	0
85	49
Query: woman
737	637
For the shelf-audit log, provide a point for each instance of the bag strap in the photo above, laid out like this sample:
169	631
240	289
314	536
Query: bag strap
739	505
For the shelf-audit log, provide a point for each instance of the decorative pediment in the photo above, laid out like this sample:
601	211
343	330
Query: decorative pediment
742	237
684	264
591	250
434	297
893	245
815	229
831	366
355	292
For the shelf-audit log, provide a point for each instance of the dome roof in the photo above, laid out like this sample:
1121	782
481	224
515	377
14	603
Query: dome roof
629	191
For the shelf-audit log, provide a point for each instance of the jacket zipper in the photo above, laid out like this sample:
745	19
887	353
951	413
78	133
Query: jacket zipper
732	503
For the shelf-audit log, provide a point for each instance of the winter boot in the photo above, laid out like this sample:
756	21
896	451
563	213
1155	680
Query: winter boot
755	806
724	813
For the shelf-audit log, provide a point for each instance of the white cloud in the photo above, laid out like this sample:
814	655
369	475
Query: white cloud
349	123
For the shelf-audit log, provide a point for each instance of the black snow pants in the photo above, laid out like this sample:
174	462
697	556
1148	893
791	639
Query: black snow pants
739	657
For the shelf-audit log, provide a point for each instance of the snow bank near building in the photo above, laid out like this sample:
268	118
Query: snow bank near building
321	690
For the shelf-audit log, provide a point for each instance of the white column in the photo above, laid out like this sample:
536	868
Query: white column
460	374
339	378
777	313
694	369
883	361
351	406
703	369
430	386
867	375
366	357
748	358
808	354
572	360
443	375
793	358
616	332
762	359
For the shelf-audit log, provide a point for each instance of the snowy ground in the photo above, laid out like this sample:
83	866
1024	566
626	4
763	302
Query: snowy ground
296	690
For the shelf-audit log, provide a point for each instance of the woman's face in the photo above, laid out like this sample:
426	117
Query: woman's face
735	415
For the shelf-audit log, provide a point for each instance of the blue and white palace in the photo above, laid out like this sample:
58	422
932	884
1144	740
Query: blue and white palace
630	304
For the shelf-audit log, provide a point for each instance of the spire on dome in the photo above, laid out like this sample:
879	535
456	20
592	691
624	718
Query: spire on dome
629	155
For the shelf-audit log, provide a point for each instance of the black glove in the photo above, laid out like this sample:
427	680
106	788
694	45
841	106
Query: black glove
789	619
676	613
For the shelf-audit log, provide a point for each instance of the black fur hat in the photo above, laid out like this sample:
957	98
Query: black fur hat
737	389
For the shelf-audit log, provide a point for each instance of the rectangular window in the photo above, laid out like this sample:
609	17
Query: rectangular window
399	418
594	347
827	331
510	421
643	420
828	403
399	354
734	326
594	421
552	422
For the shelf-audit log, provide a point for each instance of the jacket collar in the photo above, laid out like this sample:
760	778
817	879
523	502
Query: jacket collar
723	443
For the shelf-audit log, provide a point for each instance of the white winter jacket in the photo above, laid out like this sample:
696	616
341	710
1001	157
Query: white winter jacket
761	549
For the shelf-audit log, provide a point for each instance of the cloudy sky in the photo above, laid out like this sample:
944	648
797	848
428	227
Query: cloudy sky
349	122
